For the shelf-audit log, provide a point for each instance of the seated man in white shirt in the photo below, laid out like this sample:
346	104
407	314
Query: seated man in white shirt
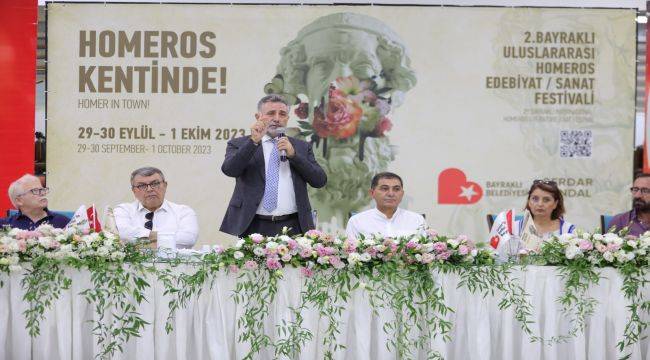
151	215
387	219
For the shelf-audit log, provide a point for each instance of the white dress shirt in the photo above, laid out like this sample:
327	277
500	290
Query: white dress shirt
169	218
373	221
286	195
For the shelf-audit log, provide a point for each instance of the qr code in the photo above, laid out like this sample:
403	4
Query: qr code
575	143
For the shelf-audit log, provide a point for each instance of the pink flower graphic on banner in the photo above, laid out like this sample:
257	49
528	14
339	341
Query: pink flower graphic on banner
341	120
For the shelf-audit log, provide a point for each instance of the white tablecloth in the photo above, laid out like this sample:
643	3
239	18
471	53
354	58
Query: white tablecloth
207	328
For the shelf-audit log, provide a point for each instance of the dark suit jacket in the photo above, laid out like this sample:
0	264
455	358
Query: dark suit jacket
245	162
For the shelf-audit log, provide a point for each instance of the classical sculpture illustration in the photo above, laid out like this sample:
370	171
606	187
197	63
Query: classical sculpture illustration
344	73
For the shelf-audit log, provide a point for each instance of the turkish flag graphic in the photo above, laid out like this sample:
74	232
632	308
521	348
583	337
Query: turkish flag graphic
453	188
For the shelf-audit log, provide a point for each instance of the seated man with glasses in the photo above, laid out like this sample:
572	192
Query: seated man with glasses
638	219
28	196
151	215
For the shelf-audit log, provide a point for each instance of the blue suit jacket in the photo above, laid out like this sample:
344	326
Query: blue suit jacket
245	162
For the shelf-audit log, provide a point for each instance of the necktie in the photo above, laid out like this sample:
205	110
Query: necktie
270	199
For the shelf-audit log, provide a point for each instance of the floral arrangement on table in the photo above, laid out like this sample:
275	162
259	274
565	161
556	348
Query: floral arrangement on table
398	274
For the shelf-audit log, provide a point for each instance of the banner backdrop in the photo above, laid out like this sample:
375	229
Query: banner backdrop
468	105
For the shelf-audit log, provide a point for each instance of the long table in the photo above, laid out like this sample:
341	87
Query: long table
207	327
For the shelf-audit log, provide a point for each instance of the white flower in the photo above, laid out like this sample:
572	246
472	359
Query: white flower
4	261
239	243
271	245
45	242
598	237
13	246
14	268
258	251
108	242
337	241
110	235
365	257
353	258
453	243
641	252
284	238
621	256
325	259
474	252
571	252
418	257
608	256
632	243
117	255
14	232
102	251
586	236
369	242
238	255
427	247
610	237
564	238
362	284
304	242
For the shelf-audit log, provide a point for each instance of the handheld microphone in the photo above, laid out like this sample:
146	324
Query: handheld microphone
281	133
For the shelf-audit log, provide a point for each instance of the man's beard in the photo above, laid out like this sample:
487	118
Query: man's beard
641	205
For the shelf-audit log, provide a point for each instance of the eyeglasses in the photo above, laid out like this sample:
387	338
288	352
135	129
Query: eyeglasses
149	224
37	191
642	190
143	187
545	182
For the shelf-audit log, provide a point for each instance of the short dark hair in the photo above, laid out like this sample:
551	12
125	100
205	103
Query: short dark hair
385	175
641	175
271	98
551	187
146	171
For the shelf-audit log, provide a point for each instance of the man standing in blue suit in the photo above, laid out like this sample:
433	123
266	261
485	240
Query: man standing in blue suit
272	172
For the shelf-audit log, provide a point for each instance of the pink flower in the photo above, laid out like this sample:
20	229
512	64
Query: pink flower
302	111
336	262
305	253
462	238
257	238
306	272
340	120
613	247
383	126
250	265
292	244
443	255
218	249
22	245
3	248
273	263
427	258
286	257
585	245
314	234
85	231
411	244
233	269
55	245
431	233
463	250
372	251
601	248
439	246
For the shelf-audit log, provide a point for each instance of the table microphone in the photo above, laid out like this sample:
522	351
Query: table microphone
281	133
